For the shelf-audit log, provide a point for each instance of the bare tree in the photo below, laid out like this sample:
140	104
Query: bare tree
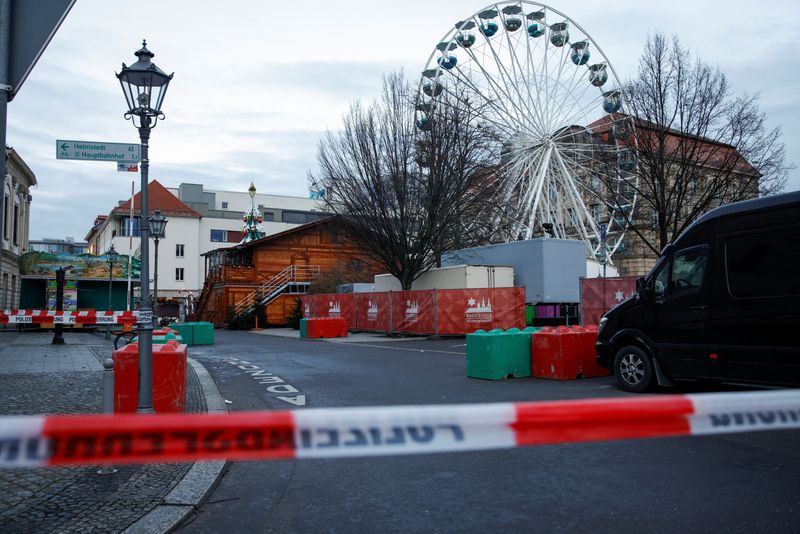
411	179
697	144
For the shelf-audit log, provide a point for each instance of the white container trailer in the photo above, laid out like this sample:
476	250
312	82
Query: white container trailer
453	277
550	269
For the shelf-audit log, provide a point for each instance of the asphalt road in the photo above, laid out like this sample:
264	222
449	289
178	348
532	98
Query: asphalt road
732	483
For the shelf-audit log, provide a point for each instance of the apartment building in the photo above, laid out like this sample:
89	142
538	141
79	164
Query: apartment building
15	224
199	220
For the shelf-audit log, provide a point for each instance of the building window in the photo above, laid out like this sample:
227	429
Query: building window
573	220
225	236
15	231
5	216
224	205
125	227
179	274
269	216
595	212
178	251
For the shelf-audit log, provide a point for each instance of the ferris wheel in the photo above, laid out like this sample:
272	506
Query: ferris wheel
544	88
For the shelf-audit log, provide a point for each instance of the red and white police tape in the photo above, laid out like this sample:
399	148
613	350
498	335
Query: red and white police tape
52	440
82	317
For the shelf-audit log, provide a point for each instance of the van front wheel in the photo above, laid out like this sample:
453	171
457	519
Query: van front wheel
633	369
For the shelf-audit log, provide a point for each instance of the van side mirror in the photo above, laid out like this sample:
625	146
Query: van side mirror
641	290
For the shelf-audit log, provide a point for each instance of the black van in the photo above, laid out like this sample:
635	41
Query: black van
722	303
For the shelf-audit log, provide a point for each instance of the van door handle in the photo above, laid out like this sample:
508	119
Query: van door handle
701	307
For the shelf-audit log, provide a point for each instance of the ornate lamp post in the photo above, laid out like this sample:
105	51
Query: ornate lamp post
111	256
144	86
158	223
252	219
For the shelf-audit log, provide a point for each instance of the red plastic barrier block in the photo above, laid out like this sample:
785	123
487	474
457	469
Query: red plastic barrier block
322	327
554	355
169	378
565	354
588	355
126	378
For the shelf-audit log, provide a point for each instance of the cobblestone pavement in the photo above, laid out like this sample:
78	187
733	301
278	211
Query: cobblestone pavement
73	499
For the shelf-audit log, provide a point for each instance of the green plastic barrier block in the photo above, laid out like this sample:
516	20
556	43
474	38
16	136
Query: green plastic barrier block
160	340
530	314
497	354
303	328
185	330
203	333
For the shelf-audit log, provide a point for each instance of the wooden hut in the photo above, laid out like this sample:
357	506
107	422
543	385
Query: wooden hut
264	277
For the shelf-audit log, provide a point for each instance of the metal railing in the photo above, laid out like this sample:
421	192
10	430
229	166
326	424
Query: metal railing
299	276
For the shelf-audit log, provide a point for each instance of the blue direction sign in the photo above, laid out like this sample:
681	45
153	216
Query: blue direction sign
97	151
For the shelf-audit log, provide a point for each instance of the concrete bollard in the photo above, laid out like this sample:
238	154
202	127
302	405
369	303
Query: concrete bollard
108	385
108	402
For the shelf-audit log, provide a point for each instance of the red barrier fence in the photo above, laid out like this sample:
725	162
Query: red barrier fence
442	311
82	317
598	295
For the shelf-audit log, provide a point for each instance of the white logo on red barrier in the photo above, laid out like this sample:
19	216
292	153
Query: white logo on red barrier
619	296
372	311
334	310
412	311
479	312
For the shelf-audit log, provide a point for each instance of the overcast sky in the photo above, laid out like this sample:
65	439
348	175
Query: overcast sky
256	83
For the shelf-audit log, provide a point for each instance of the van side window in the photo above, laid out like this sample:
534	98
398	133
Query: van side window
688	270
659	282
764	264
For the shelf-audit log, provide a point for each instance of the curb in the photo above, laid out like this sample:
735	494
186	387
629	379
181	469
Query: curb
194	487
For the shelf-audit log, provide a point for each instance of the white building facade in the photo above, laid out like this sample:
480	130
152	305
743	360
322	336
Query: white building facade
14	226
199	220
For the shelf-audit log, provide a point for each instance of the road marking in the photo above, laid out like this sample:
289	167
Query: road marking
410	350
262	377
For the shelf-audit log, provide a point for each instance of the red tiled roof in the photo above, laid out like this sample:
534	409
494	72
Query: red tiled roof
158	197
707	151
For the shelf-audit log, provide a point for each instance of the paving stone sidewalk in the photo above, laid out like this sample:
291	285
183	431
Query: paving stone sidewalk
39	378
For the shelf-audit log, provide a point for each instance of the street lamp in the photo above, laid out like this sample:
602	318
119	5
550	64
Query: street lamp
144	86
158	224
111	256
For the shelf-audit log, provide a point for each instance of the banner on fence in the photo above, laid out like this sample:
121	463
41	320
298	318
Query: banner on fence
598	295
412	312
371	312
456	311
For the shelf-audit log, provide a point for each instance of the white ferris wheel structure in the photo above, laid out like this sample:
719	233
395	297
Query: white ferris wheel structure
547	92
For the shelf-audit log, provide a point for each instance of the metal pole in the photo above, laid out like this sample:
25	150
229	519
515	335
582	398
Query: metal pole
145	404
435	315
390	312
58	332
110	274
5	92
108	385
130	252
155	288
108	403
